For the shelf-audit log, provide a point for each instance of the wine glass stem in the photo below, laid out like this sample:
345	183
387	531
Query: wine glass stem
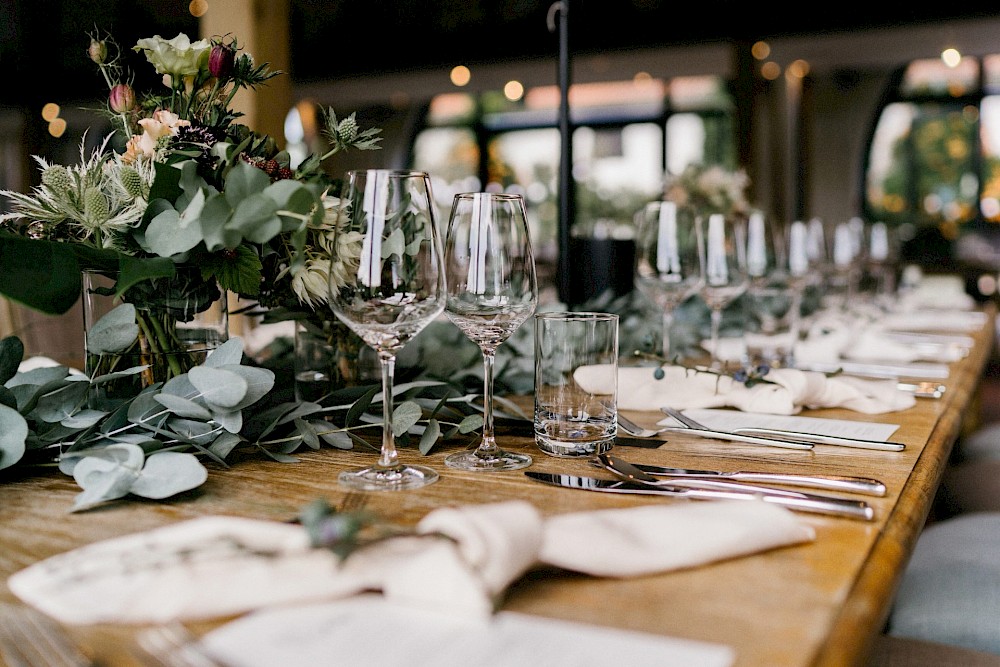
389	458
716	322
489	444
668	320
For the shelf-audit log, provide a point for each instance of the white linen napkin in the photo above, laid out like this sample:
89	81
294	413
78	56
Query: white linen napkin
219	566
786	392
353	632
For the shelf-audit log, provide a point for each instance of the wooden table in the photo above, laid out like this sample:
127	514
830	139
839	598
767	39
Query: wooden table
821	603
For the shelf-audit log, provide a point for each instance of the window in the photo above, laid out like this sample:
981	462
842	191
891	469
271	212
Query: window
626	135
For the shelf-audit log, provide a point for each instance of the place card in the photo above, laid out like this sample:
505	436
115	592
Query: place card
728	420
367	630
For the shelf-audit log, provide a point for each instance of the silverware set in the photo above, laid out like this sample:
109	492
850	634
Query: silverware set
640	479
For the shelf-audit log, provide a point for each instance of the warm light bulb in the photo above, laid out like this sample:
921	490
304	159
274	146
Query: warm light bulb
798	68
460	75
198	8
642	77
760	50
951	57
50	112
57	127
513	91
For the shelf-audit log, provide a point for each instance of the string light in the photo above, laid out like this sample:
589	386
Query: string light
460	75
198	8
50	112
951	57
513	90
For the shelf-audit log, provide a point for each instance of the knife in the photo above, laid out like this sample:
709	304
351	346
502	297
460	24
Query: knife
852	509
871	487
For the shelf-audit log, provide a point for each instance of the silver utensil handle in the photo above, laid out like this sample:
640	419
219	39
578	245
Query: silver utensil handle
736	437
871	487
852	509
865	485
824	439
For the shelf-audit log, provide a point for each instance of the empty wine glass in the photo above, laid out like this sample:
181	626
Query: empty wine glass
772	303
492	290
667	269
387	294
722	248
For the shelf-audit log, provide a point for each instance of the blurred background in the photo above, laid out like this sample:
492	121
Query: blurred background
884	111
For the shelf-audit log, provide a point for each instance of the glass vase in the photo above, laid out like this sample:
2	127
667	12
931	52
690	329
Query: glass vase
329	356
180	320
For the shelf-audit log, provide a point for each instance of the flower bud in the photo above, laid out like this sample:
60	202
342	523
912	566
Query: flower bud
122	98
221	60
98	51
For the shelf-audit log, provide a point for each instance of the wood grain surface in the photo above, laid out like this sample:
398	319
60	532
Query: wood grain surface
821	603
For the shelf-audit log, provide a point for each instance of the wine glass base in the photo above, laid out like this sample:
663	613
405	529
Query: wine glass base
498	460
393	479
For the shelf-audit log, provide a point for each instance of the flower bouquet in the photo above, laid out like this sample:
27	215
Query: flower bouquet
195	206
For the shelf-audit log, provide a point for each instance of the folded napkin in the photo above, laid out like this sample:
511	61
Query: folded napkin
786	392
220	566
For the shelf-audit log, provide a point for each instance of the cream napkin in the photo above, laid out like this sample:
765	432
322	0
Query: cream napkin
219	566
787	391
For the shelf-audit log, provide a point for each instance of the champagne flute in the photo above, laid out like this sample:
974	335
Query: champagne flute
667	270
389	292
722	248
492	290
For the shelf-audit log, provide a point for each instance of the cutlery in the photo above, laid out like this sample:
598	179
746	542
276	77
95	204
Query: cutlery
632	428
706	432
29	638
825	504
796	436
837	507
865	485
924	389
924	371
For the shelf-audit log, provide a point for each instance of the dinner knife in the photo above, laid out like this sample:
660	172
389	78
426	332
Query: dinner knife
852	509
865	485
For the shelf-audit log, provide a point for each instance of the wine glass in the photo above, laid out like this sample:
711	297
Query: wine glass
389	292
722	249
492	290
667	269
772	304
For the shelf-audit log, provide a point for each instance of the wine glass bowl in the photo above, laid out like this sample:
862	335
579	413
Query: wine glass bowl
491	290
389	292
722	248
667	268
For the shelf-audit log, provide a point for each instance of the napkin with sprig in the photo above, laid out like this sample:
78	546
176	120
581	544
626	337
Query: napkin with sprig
784	391
456	560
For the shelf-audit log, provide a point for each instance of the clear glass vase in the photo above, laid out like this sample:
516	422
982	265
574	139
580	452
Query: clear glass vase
329	356
180	320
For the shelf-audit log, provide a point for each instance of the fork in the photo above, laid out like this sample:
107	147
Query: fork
173	645
29	638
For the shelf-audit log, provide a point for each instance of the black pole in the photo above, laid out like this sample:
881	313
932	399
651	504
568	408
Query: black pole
567	200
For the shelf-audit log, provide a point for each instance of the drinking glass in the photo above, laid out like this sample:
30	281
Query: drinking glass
492	290
722	248
667	270
773	300
389	292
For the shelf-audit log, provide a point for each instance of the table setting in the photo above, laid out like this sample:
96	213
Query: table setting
169	484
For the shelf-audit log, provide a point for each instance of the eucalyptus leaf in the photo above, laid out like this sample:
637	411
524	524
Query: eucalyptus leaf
430	437
13	433
83	418
40	376
114	332
470	424
404	416
339	439
109	377
169	473
61	403
231	421
230	352
225	444
104	479
259	382
307	433
11	355
394	244
182	407
221	387
8	398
